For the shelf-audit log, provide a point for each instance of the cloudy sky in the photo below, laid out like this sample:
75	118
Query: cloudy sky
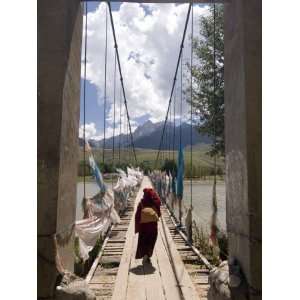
148	37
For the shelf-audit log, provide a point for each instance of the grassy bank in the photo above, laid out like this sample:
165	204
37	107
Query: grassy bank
90	178
202	167
208	179
201	241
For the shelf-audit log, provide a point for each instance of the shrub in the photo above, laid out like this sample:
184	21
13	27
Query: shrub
201	242
169	166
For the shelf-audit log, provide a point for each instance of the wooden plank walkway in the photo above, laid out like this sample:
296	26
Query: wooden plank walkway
177	272
196	265
102	276
167	278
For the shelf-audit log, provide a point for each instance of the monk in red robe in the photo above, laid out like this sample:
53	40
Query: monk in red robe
146	218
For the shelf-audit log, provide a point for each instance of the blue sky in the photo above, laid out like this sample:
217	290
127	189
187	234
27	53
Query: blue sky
148	37
92	6
94	111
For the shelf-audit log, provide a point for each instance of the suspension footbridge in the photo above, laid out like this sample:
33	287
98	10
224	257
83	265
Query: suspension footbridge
178	269
176	272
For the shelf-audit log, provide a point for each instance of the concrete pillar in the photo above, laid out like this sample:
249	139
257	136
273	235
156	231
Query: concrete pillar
59	55
243	139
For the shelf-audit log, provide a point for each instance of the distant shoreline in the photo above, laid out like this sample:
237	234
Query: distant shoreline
195	180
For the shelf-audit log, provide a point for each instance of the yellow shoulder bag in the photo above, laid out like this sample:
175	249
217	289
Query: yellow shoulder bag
148	214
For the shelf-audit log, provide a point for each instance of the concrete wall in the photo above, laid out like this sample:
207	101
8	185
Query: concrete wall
59	51
243	139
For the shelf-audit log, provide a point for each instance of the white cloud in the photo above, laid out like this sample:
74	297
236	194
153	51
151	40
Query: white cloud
90	130
149	37
92	133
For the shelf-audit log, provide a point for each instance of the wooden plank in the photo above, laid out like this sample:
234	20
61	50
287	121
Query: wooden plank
201	280
122	276
187	287
96	261
110	259
107	250
153	282
171	289
115	254
202	257
116	241
136	288
135	281
120	288
183	248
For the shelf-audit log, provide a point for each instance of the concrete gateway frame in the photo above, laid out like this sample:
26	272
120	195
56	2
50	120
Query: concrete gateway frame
59	53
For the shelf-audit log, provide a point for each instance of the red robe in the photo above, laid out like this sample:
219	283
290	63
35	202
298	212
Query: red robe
147	231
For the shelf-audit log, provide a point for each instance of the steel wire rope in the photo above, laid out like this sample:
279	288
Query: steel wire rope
181	100
170	133
126	143
180	127
120	127
125	138
191	87
174	81
214	196
214	88
121	77
84	98
174	125
114	119
105	77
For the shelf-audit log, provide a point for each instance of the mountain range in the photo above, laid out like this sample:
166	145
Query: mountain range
148	135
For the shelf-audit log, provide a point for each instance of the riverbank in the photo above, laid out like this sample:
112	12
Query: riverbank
108	178
202	200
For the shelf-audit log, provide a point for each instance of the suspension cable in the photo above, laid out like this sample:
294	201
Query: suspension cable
180	126
125	138
105	74
127	141
120	126
174	81
215	114
170	129
114	118
166	146
214	80
121	77
174	125
191	130
181	100
84	96
213	234
166	140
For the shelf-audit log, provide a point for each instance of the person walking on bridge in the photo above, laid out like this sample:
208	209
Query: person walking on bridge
146	218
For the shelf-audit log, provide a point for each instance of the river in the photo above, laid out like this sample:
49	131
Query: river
202	201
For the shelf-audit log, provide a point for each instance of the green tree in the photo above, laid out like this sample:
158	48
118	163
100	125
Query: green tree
208	106
169	166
